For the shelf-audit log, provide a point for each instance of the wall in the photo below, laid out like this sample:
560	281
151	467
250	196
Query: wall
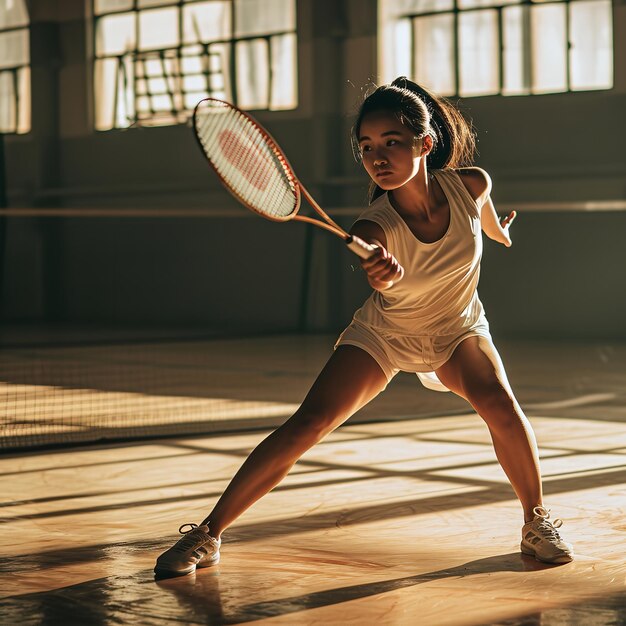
564	276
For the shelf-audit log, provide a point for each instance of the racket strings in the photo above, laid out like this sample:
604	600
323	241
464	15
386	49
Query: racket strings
281	193
247	160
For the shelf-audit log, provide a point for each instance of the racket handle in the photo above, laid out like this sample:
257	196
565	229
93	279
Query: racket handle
360	247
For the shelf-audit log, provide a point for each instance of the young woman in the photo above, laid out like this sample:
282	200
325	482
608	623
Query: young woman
424	316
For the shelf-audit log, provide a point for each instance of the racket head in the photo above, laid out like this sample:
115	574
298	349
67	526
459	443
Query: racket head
247	160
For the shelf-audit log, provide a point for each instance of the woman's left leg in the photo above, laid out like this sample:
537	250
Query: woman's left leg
476	373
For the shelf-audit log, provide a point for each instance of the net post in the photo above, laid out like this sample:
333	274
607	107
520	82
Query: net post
3	221
306	278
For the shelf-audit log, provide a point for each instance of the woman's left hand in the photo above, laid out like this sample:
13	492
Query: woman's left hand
505	224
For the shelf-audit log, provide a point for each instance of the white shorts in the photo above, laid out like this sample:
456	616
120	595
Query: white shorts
421	355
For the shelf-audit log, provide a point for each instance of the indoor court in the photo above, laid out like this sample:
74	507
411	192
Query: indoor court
153	331
403	516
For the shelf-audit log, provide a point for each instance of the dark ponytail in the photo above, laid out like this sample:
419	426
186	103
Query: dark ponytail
425	113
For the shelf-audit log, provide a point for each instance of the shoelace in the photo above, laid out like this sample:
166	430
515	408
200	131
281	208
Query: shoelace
547	527
184	532
184	545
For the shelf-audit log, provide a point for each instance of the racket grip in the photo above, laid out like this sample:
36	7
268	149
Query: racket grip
360	247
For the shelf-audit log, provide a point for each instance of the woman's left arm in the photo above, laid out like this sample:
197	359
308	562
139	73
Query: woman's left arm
478	183
493	227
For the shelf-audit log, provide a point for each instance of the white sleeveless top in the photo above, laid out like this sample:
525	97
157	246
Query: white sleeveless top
437	295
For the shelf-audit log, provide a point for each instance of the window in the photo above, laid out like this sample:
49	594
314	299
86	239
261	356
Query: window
508	47
14	67
155	59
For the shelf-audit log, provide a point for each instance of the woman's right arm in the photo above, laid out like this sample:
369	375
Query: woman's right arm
382	268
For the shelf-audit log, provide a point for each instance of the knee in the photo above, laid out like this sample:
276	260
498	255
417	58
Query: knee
496	405
309	426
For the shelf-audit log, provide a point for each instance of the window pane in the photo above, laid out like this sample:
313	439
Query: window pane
157	86
194	82
161	102
142	4
8	120
414	7
152	67
125	112
471	4
219	62
513	29
252	74
106	6
143	104
115	34
13	13
206	21
158	29
23	88
549	45
191	99
263	17
110	77
591	45
193	50
14	48
284	72
478	53
192	65
195	63
401	38
217	83
433	38
105	76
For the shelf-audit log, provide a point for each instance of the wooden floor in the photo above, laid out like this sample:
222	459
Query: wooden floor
402	517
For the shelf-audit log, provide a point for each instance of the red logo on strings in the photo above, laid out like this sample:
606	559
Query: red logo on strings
246	158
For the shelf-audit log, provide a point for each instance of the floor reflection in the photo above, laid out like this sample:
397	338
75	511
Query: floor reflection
396	522
206	597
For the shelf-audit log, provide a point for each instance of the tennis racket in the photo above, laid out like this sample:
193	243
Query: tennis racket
255	170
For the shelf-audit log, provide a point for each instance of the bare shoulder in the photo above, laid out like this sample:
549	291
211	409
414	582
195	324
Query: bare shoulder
476	181
369	231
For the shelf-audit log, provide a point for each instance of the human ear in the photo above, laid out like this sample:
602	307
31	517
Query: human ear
427	145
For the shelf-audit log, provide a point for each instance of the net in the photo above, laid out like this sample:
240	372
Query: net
66	394
247	160
194	366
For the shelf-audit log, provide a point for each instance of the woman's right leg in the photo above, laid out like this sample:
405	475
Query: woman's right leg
349	380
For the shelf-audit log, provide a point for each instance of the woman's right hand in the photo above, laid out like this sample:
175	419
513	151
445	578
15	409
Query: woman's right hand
383	269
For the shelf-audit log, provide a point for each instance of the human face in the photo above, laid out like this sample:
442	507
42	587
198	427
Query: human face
391	151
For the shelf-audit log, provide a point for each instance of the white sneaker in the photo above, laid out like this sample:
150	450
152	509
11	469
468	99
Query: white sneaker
196	549
541	539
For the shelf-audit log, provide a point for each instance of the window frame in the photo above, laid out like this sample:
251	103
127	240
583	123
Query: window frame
182	115
15	70
527	51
